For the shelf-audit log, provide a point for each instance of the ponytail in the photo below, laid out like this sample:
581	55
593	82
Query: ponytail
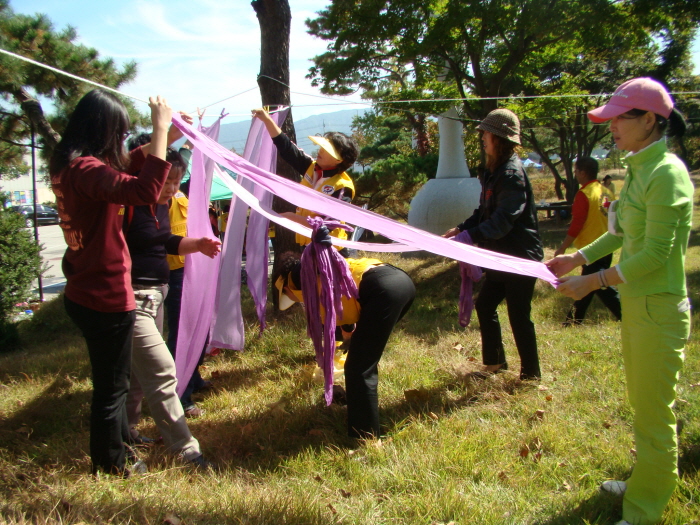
676	124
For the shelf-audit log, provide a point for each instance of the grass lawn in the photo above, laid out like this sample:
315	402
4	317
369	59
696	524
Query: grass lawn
458	450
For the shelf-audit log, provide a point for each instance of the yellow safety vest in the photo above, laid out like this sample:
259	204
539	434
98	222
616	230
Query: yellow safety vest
178	225
596	222
327	185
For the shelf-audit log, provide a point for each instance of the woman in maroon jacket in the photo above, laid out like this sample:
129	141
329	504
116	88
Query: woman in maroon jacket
90	175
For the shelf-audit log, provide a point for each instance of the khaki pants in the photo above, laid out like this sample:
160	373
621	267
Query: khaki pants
655	329
153	375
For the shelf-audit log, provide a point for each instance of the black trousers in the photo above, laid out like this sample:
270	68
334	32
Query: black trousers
109	342
609	296
385	295
517	290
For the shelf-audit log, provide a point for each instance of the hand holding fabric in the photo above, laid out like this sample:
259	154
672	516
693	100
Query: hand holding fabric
563	264
174	132
578	286
451	233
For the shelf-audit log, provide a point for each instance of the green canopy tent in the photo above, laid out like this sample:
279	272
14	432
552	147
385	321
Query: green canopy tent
219	190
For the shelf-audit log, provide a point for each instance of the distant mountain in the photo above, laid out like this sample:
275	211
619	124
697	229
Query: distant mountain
234	134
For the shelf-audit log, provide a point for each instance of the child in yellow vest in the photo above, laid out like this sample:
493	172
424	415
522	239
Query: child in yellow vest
337	152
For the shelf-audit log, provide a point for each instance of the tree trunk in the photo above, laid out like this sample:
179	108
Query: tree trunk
274	17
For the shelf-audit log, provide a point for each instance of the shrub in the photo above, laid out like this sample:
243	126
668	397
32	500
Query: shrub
20	262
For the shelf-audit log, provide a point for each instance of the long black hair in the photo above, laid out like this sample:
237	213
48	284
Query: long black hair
96	128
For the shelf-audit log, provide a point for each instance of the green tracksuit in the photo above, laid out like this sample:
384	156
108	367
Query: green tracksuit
654	216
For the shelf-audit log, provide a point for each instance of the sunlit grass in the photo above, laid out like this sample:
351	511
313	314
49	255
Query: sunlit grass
457	449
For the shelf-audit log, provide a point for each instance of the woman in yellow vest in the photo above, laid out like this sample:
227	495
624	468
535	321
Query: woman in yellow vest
385	293
588	223
337	152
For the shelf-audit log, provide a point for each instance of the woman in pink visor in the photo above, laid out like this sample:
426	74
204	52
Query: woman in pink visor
651	223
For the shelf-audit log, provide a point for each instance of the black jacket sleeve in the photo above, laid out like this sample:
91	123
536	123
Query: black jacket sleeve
511	199
294	156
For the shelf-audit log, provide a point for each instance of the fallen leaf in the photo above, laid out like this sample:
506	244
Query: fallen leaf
471	358
20	403
549	397
554	378
458	347
607	424
537	456
524	451
215	374
416	395
318	478
433	415
502	475
345	493
332	509
537	416
566	486
382	497
542	388
172	519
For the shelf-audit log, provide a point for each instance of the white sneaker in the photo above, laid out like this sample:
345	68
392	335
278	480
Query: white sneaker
614	487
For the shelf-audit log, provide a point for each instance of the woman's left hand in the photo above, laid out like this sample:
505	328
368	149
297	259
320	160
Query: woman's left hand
209	247
578	286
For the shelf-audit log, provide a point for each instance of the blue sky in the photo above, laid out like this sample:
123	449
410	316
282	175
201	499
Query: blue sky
197	52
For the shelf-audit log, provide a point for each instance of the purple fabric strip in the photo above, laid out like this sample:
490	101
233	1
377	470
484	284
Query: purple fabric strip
228	330
262	152
410	238
470	274
200	271
227	325
321	262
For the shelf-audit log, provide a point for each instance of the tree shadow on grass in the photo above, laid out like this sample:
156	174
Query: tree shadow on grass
599	509
58	419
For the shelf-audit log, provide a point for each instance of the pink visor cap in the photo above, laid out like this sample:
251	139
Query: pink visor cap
639	93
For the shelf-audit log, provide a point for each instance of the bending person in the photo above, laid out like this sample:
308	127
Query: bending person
652	226
505	222
384	295
91	176
148	235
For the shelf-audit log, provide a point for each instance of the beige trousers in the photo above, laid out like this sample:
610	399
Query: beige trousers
153	375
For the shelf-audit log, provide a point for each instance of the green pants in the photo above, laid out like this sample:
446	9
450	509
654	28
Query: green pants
655	329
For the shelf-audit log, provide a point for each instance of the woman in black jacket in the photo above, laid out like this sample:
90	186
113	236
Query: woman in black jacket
505	222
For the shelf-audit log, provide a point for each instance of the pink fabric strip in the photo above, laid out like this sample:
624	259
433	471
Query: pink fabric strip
200	271
410	238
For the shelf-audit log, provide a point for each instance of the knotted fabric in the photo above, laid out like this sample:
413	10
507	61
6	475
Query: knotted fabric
323	267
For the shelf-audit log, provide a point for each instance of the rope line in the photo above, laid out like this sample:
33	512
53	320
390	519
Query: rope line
71	75
414	101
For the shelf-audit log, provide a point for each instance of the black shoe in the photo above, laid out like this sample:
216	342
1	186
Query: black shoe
142	441
201	463
339	396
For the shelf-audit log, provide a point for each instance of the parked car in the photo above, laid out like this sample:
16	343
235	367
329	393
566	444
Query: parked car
44	214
